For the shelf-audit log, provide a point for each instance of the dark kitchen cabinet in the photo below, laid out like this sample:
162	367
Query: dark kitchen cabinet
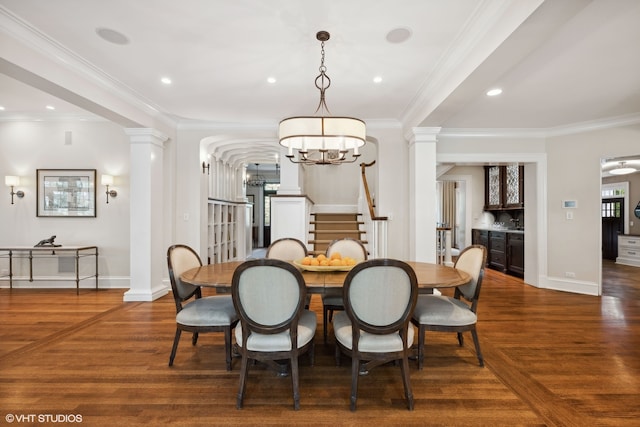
515	254
481	237
505	249
497	250
503	187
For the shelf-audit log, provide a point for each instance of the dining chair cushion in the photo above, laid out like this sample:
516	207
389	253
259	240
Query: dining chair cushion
443	311
280	341
368	342
208	311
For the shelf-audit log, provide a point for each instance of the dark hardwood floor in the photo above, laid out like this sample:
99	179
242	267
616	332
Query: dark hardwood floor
552	359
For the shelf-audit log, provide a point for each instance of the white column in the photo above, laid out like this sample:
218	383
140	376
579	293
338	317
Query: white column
148	255
447	249
422	194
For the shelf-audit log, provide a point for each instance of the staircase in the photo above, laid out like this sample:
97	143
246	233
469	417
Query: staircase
326	227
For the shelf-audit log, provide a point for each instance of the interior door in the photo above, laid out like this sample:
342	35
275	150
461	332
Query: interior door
612	225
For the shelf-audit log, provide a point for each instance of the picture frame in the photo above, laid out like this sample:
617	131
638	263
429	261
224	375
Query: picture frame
66	193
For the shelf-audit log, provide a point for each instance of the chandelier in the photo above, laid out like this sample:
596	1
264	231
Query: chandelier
322	139
256	180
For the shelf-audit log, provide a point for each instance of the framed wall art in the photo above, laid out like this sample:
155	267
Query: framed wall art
66	192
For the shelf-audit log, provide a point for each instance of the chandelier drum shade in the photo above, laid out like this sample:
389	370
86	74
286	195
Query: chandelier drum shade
622	169
322	139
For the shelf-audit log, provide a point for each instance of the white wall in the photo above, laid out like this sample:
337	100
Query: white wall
574	173
27	146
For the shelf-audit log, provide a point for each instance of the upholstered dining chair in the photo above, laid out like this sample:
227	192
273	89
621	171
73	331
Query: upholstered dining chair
458	313
269	296
375	326
286	249
194	313
347	247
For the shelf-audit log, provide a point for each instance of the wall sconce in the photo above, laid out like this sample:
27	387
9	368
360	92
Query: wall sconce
205	166
108	180
13	181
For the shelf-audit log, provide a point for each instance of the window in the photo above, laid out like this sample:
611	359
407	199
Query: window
611	209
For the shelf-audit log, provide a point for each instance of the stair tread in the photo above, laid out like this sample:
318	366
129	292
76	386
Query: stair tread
337	231
336	222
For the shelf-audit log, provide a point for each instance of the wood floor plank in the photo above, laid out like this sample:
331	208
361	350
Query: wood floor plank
552	359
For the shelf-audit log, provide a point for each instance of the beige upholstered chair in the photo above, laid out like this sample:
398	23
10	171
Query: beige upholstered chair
210	314
286	249
379	297
347	247
453	314
269	296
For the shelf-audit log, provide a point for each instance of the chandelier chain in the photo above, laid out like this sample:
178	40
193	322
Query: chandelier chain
324	84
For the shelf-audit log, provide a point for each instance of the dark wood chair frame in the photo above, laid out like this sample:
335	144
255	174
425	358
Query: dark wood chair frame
401	326
473	301
250	326
328	309
195	330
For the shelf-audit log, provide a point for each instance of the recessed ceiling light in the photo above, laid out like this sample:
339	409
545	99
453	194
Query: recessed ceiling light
377	79
494	92
166	80
271	80
50	107
398	35
112	36
1	108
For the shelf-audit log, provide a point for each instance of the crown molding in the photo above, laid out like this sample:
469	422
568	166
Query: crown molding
25	33
569	129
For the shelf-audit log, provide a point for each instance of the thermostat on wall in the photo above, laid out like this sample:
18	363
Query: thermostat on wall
569	204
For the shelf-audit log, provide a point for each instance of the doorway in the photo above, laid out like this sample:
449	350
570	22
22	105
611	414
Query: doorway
612	225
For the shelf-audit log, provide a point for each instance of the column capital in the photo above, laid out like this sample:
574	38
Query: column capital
146	135
423	134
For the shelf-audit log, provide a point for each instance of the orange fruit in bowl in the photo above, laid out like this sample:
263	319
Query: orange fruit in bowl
306	261
336	255
314	262
336	262
321	257
324	262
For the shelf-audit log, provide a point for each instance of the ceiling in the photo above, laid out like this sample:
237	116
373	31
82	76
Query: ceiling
559	63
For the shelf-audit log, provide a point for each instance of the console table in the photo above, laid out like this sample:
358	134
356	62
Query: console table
40	252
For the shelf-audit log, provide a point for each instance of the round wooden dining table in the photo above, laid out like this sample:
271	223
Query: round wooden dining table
429	276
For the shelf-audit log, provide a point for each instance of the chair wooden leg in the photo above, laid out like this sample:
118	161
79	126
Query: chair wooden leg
421	338
227	347
460	339
474	334
194	339
324	323
406	382
355	373
337	354
244	371
312	354
176	340
294	382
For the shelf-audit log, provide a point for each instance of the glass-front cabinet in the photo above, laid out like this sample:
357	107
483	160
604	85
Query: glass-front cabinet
504	187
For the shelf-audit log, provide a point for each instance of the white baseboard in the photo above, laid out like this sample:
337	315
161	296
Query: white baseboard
574	286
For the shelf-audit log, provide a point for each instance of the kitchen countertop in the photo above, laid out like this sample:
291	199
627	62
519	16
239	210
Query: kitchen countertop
506	230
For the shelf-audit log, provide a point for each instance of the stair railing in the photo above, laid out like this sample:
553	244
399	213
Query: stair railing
375	226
